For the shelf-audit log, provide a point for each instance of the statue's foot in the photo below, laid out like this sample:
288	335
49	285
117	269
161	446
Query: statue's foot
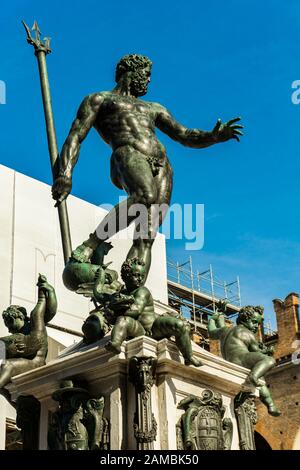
82	253
273	410
192	361
113	347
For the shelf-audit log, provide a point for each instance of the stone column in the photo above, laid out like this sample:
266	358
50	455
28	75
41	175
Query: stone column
245	412
47	406
28	420
141	374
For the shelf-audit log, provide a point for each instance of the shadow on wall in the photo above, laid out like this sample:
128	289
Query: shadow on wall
260	442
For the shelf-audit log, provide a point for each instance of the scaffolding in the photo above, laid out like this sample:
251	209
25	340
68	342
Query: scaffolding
195	294
268	330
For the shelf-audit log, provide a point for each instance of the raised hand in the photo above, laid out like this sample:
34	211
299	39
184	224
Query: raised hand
222	306
228	130
16	347
43	284
217	315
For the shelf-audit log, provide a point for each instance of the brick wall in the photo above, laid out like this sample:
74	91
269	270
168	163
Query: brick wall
287	316
214	347
283	380
281	432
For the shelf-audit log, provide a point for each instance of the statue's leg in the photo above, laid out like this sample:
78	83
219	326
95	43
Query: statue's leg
259	364
187	420
117	219
99	283
144	236
143	192
6	373
164	183
141	249
123	328
267	400
135	176
165	327
12	367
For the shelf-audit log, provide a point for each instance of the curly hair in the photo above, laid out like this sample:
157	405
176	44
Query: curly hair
128	265
248	312
131	63
15	311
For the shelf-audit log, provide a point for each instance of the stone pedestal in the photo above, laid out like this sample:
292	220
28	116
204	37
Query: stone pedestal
110	376
2	422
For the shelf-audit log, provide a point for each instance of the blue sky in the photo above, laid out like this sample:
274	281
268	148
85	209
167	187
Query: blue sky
210	60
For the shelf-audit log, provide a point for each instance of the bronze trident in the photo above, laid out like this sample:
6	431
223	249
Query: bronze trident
41	49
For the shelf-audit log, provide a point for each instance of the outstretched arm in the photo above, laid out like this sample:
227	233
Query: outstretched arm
216	326
196	138
84	121
46	306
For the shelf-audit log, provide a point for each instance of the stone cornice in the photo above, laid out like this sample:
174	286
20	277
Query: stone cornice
94	363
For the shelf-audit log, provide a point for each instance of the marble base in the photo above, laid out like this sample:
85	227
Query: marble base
107	375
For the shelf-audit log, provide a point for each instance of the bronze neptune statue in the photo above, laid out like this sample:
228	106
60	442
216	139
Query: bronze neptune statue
139	163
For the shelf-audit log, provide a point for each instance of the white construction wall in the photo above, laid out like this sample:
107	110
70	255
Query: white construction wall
30	244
